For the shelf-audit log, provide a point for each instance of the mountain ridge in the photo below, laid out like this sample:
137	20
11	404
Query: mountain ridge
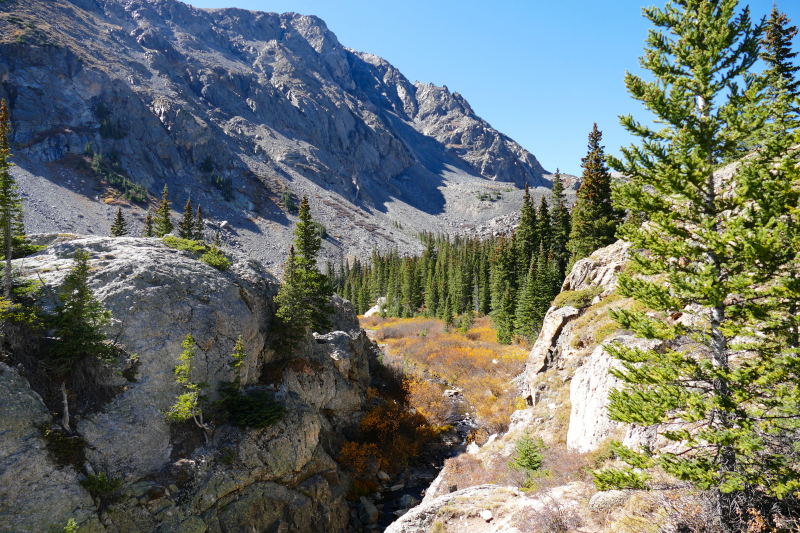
272	101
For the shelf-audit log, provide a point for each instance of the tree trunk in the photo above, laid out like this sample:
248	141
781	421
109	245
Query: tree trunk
65	401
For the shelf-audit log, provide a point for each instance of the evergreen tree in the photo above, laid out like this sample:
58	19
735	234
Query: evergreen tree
10	201
217	241
186	228
187	404
728	378
777	51
527	232
79	320
148	225
560	223
199	225
304	297
163	220
120	226
594	219
525	323
545	229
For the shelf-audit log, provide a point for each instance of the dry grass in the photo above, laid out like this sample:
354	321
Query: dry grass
474	362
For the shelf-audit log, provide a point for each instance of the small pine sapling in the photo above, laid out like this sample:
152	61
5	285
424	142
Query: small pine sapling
199	225
186	228
163	220
187	404
120	225
148	225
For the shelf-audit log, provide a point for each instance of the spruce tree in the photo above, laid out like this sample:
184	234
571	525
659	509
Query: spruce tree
545	228
304	297
148	225
79	320
186	228
527	232
120	226
560	223
722	253
10	201
777	51
199	225
163	220
525	323
594	219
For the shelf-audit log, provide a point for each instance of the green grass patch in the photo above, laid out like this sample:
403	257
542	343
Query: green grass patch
579	299
208	254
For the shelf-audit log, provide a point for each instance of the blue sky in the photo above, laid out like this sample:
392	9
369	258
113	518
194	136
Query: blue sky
542	72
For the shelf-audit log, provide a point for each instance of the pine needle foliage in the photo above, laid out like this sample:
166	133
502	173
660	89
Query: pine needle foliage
120	226
594	219
186	228
148	225
163	220
188	403
725	383
304	297
79	320
10	200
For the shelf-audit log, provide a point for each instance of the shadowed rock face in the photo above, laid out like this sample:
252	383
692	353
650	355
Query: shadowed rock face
243	478
258	92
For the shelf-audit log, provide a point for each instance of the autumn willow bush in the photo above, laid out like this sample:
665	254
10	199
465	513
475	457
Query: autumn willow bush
474	362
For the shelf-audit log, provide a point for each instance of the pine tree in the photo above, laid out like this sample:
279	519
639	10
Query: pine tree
304	297
777	51
560	223
199	225
545	228
163	220
527	232
728	377
187	405
10	201
594	219
79	320
120	226
148	225
186	228
217	241
525	323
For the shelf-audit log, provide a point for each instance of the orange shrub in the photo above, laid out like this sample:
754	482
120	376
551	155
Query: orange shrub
428	400
474	362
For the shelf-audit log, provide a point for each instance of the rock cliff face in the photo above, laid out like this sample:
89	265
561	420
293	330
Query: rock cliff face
269	101
281	478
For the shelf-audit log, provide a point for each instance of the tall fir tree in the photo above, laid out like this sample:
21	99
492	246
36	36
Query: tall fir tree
594	218
79	321
148	225
199	225
777	51
10	201
304	297
163	220
186	227
120	225
545	229
560	223
525	323
527	232
724	383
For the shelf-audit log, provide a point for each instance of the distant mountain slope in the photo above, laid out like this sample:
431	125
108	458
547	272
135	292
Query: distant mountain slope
271	101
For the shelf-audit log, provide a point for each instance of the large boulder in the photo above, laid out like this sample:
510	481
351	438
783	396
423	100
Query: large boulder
36	495
600	269
589	424
277	478
157	296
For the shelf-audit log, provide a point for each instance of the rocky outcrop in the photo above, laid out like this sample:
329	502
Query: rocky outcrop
32	488
543	354
280	478
488	509
589	424
598	270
